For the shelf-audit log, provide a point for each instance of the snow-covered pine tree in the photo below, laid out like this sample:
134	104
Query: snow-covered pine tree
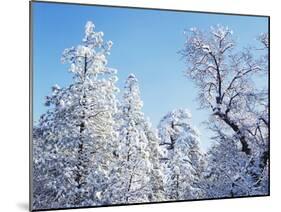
135	166
226	173
156	182
183	160
76	134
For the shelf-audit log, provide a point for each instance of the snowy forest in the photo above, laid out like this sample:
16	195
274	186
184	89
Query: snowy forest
93	147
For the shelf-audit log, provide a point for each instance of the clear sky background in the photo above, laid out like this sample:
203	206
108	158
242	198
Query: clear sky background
146	43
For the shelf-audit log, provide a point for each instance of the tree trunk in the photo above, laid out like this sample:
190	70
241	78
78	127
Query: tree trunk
177	185
129	187
81	166
235	128
80	158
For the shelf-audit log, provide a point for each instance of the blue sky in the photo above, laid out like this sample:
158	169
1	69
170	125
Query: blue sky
146	43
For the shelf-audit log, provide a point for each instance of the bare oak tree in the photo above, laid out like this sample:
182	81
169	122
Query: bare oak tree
225	75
